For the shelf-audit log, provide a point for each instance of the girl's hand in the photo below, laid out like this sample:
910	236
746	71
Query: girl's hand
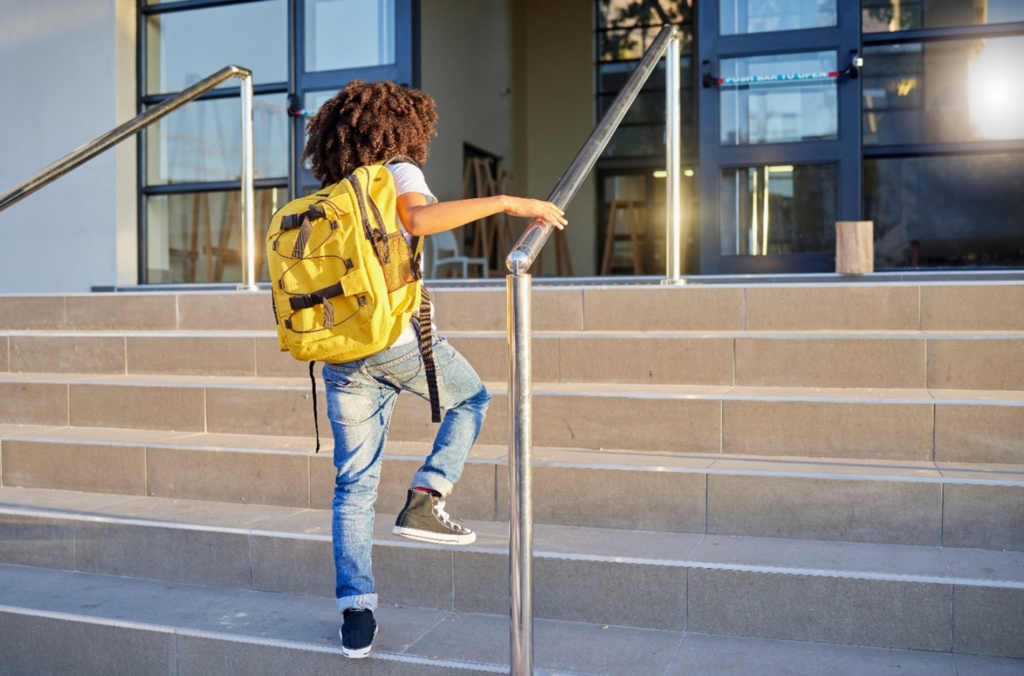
545	212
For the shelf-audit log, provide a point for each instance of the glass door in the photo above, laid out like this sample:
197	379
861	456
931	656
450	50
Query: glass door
780	133
338	41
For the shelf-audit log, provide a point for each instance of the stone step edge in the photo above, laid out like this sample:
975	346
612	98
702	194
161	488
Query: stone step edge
835	395
260	641
610	466
64	515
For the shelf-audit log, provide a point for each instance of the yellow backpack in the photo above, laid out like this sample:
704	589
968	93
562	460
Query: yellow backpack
345	280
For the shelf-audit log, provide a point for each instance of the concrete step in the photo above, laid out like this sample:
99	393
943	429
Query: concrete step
968	306
920	503
974	426
113	626
896	596
888	360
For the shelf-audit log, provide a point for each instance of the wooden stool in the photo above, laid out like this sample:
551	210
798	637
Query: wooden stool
633	236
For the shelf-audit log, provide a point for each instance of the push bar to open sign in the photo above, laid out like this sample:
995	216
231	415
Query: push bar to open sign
708	80
785	77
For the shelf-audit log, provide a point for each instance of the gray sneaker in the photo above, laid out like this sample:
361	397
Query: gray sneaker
423	518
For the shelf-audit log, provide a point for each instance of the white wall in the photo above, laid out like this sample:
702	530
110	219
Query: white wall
67	73
466	65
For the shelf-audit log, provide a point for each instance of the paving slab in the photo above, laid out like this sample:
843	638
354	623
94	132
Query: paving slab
190	355
708	655
972	307
561	646
976	363
96	468
835	362
73	353
988	621
989	517
985	564
884	613
112	311
84	648
20	313
839	557
832	307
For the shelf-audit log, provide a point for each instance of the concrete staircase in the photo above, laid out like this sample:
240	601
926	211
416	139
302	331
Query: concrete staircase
730	480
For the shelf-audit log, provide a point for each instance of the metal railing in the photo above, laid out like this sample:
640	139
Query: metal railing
519	321
140	122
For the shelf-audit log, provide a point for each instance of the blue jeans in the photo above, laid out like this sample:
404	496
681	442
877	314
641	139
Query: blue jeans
360	398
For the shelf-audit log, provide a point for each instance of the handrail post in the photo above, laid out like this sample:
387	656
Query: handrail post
248	193
520	490
673	160
520	405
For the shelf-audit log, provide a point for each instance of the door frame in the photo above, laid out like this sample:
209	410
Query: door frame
845	151
404	71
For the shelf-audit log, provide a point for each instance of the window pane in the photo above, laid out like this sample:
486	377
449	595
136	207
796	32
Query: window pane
649	107
195	237
612	76
637	140
625	13
202	141
778	210
184	47
952	211
883	16
943	92
779	112
349	34
628	44
737	17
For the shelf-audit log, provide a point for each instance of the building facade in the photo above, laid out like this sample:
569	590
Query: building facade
797	113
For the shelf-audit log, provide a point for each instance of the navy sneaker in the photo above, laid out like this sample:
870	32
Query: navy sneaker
357	632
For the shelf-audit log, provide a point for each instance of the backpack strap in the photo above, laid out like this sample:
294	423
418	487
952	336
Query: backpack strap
427	349
316	421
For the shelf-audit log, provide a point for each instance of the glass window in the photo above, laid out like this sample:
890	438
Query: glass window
636	140
184	47
623	13
196	237
781	209
643	130
201	142
883	16
649	107
949	211
736	17
943	92
779	112
624	45
349	34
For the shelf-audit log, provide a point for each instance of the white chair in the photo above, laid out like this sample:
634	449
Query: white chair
444	250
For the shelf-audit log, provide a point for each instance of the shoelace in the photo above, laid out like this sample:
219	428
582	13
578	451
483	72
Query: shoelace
445	519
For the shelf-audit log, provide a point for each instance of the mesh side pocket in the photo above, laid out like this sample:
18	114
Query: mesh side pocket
398	270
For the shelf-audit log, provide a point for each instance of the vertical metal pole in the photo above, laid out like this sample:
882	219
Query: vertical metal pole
673	158
248	211
520	497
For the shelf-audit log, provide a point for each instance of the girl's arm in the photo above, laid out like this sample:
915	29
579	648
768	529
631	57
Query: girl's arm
420	218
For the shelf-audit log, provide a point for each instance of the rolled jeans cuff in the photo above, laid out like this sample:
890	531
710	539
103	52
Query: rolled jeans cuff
359	602
434	482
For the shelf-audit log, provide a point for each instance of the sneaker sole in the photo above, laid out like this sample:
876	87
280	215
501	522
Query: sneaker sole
436	538
356	653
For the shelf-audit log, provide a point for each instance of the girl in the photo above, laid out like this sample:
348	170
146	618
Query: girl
368	123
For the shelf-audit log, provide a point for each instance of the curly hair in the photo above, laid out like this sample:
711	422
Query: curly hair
365	123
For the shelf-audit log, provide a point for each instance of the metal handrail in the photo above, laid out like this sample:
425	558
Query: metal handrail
519	324
143	120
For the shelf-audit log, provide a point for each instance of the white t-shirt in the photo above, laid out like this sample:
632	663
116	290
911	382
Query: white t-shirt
409	178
